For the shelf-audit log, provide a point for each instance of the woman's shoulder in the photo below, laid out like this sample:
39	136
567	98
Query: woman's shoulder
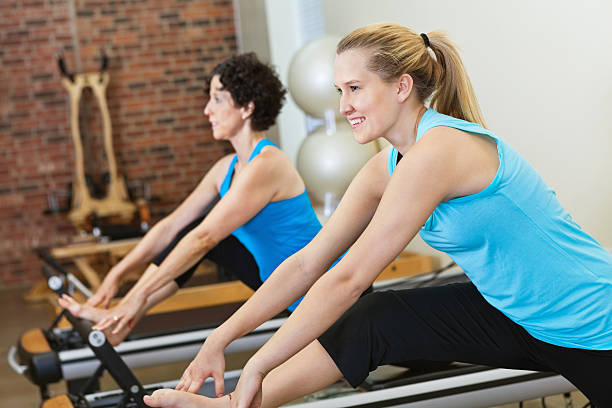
383	156
448	137
271	157
377	165
439	124
384	151
221	166
224	161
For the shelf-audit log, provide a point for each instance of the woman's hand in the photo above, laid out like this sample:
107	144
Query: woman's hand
122	314
106	292
248	392
209	362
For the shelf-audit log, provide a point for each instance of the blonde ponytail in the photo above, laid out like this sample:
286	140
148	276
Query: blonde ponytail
454	94
397	50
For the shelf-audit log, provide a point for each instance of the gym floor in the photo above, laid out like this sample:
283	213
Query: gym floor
16	391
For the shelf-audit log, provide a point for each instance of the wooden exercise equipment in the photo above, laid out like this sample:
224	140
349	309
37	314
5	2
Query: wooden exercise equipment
60	401
33	342
406	265
92	260
45	356
116	202
434	384
87	256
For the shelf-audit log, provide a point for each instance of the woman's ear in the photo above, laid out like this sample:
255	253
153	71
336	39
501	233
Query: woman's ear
248	110
404	87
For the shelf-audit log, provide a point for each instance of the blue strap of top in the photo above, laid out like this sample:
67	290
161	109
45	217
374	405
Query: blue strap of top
430	119
230	171
260	145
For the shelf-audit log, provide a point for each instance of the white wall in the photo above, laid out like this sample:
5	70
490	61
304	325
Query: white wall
542	71
251	26
286	37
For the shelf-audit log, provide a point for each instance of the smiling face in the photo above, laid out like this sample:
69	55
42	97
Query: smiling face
370	104
226	119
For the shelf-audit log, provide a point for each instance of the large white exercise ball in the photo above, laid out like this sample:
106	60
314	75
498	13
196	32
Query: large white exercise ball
311	77
328	162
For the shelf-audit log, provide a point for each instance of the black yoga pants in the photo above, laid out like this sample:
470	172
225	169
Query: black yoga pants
229	254
453	323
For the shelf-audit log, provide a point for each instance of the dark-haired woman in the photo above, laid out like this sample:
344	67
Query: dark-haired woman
262	217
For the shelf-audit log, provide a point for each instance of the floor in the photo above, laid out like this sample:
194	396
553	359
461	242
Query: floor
17	391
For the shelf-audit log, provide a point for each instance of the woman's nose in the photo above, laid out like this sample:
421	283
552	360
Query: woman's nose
345	106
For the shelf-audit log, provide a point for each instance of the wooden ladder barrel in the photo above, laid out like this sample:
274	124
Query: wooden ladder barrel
116	201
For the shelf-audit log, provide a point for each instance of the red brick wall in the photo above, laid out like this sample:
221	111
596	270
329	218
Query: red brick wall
160	51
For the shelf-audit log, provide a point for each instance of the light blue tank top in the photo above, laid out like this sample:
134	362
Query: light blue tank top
523	251
279	230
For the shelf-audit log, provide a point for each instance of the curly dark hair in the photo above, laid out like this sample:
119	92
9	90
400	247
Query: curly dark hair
249	80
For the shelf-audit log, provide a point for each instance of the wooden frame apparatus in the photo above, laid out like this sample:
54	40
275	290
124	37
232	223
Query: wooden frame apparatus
116	202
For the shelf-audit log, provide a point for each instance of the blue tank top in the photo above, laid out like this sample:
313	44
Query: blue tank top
523	251
279	230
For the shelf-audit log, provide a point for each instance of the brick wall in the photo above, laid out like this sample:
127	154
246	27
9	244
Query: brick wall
160	51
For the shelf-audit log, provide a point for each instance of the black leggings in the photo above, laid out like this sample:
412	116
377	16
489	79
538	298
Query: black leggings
453	323
229	254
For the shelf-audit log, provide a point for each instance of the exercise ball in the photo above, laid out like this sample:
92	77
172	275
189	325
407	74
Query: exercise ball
311	77
328	162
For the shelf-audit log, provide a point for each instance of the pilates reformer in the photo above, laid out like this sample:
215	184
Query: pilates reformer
447	385
458	386
100	356
51	355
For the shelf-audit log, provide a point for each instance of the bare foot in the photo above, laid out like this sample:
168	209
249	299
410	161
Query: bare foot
94	315
180	399
83	311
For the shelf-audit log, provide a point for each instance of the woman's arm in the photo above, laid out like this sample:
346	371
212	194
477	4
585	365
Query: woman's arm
251	191
430	172
295	275
162	233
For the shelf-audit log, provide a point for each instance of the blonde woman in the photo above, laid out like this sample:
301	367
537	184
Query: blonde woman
540	290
